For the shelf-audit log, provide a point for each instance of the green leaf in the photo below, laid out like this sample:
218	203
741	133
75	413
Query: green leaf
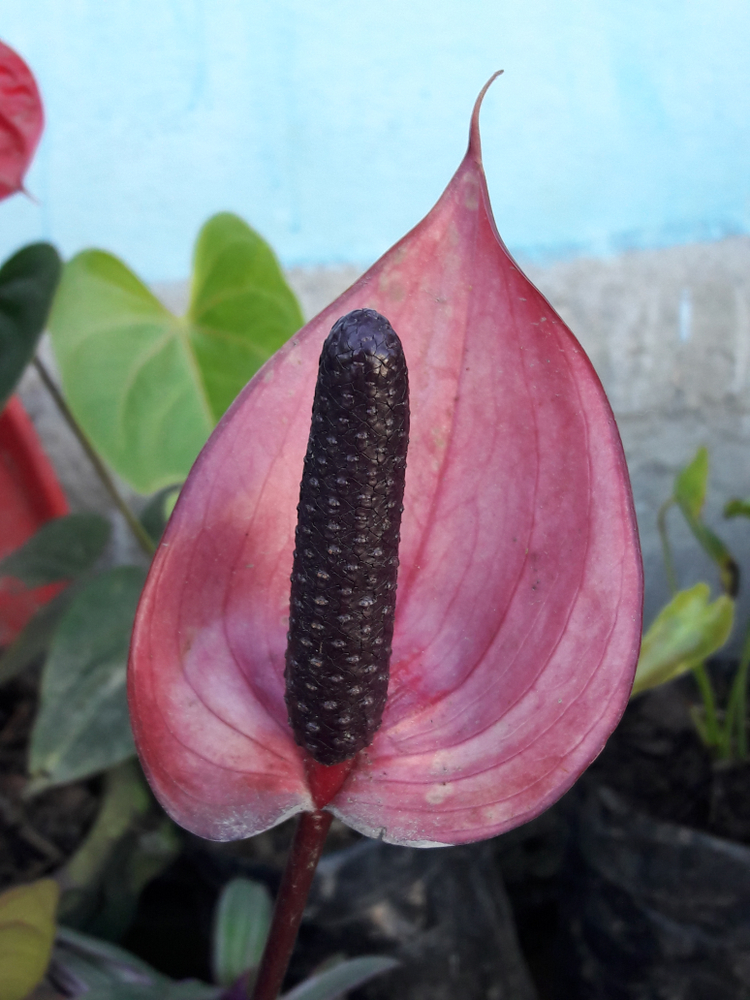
690	485
129	843
113	963
27	283
690	495
188	989
108	972
148	387
241	923
713	546
27	930
35	638
157	511
241	308
341	978
684	633
737	508
83	726
128	372
61	549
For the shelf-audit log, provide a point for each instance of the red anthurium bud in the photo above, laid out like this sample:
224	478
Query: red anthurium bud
518	608
21	120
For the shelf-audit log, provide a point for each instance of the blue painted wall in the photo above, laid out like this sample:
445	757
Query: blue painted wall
333	126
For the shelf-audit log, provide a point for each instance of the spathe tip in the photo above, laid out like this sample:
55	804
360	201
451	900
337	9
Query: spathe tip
475	144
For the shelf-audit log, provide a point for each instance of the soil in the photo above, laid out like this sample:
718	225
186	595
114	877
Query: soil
38	834
657	763
172	924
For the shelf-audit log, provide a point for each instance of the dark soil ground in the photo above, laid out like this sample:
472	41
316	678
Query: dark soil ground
657	763
38	834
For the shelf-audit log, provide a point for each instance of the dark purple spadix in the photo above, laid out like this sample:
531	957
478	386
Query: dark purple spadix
346	545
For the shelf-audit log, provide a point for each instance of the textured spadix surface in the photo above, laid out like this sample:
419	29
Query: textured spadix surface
518	614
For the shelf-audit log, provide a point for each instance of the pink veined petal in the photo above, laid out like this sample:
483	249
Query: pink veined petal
21	120
518	616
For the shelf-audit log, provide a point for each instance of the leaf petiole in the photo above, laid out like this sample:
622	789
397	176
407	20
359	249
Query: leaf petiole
666	548
737	706
133	523
711	721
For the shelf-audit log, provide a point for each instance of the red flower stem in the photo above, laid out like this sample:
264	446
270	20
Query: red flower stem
304	855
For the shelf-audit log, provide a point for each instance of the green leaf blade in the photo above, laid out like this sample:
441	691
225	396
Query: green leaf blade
27	930
62	549
243	918
337	981
128	372
685	632
28	281
690	485
36	636
737	508
83	725
241	308
148	387
157	511
110	973
690	495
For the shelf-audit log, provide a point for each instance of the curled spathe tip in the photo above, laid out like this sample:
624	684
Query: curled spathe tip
475	143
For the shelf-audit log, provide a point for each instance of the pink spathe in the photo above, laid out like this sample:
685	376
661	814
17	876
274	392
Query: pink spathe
518	617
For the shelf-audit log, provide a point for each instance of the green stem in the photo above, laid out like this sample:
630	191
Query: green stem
737	706
125	801
661	523
140	533
713	736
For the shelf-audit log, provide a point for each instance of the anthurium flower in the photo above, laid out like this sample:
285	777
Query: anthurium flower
518	609
21	120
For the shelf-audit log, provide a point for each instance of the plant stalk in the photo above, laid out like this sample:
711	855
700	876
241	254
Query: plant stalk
304	855
666	548
140	533
737	707
713	736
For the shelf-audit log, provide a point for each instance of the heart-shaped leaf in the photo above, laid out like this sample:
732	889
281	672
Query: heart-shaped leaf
27	929
27	283
82	726
61	549
518	615
21	120
241	308
148	386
